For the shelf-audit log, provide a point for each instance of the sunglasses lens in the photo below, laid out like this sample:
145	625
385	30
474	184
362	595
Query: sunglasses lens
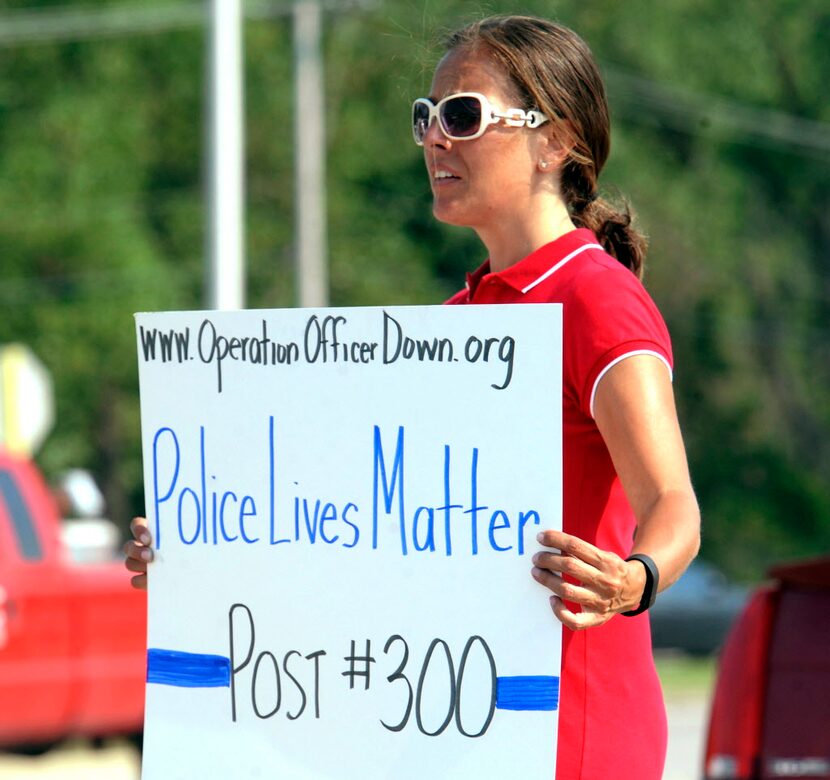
420	121
461	116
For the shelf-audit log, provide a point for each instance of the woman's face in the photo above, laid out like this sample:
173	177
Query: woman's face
488	181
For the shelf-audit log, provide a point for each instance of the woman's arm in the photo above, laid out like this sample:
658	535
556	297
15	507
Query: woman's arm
635	413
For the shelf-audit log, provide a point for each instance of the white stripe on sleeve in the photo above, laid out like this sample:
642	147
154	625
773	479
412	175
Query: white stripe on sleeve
620	359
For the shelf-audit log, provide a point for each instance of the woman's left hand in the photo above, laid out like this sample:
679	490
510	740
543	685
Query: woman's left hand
603	584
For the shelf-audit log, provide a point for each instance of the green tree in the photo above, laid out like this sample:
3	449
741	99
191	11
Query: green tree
718	113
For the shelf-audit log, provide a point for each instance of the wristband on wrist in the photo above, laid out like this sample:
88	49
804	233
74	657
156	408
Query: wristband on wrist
652	581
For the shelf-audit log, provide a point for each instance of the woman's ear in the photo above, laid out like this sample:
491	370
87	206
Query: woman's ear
555	145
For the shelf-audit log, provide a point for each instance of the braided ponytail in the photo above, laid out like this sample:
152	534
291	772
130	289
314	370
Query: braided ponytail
611	225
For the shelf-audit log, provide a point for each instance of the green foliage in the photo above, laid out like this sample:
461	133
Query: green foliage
102	215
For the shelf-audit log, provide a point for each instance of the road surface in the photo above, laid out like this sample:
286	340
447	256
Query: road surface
119	760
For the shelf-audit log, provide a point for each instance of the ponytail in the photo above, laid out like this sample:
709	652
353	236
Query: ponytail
613	229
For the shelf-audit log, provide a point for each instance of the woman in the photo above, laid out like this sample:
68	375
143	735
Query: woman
515	133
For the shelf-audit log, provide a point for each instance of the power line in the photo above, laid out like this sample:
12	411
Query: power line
697	112
641	98
65	24
47	25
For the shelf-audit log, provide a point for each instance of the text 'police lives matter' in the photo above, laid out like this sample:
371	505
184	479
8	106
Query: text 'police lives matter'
195	504
324	340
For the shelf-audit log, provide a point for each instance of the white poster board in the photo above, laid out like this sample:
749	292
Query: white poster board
344	505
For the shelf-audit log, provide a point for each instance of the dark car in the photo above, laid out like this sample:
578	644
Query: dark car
771	708
696	613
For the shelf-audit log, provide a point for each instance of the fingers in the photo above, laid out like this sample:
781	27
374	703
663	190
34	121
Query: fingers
139	582
571	545
140	531
586	598
138	552
566	564
576	621
581	574
606	579
139	561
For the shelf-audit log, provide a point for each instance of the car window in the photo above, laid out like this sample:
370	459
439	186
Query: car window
24	528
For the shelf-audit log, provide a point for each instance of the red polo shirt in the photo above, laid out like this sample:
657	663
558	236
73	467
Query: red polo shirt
612	721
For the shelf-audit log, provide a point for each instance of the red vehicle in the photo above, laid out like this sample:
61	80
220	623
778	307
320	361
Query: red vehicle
771	708
72	637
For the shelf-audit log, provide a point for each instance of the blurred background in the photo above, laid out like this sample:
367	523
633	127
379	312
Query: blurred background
721	140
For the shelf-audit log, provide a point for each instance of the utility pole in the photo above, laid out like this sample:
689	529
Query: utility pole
224	156
309	157
225	285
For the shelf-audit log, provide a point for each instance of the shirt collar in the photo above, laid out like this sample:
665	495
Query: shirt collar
538	265
475	278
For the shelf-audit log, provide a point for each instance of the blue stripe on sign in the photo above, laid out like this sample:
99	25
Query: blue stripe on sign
188	670
527	693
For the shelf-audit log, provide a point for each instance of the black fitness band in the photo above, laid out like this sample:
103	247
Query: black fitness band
652	581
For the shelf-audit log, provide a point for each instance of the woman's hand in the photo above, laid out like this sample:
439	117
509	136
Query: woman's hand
602	583
139	552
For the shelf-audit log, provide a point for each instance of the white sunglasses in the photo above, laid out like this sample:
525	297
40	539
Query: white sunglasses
466	115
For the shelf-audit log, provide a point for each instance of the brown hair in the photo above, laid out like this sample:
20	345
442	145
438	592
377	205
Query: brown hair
553	71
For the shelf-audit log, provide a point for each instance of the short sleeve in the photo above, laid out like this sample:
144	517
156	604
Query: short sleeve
609	316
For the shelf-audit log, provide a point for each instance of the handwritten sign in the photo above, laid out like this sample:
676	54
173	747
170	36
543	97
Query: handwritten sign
344	504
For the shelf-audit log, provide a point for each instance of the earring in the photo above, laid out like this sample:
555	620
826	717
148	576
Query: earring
543	165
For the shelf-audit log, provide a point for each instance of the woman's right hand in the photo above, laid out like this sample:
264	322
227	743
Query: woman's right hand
139	552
